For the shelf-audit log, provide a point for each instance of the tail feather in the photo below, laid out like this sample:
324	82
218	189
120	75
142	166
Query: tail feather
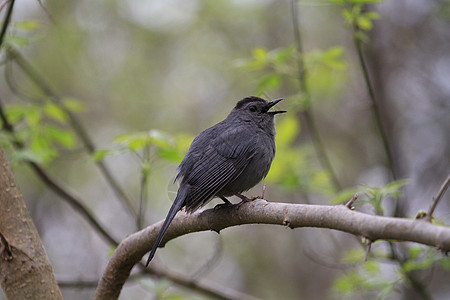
176	206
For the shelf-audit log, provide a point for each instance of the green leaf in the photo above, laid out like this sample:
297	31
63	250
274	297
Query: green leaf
63	137
27	155
282	54
348	16
133	141
260	54
138	140
321	182
15	112
170	155
372	267
287	129
41	147
16	41
347	283
414	252
365	1
445	263
332	58
100	154
55	112
33	116
160	138
28	25
73	105
344	195
268	82
353	256
364	23
339	1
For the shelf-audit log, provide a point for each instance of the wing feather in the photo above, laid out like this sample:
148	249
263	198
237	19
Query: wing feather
220	163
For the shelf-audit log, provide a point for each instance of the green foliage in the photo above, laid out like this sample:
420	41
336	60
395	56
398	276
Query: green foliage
73	105
371	276
344	195
376	195
160	144
363	277
294	167
355	16
23	33
162	290
419	258
41	128
279	67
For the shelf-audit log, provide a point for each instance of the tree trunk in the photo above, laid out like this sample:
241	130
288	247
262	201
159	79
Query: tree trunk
25	271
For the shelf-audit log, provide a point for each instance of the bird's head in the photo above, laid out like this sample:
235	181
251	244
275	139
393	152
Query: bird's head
256	110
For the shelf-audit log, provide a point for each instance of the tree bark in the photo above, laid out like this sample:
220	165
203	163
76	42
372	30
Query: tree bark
25	271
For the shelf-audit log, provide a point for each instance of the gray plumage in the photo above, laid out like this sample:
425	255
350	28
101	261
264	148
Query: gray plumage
226	159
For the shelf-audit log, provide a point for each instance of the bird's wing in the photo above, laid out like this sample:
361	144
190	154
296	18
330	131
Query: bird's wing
222	161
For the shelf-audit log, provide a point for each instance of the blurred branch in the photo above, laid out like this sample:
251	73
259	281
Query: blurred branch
145	169
374	107
210	290
416	284
307	113
211	262
50	17
131	250
6	20
76	124
57	187
436	200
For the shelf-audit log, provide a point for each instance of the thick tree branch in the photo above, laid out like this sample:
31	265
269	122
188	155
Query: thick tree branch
24	266
131	250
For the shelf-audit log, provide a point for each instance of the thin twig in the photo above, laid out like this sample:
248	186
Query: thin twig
211	262
350	202
50	17
3	4
369	246
74	122
374	107
436	199
144	187
6	20
317	141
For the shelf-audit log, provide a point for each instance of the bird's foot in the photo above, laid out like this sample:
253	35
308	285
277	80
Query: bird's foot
243	198
226	203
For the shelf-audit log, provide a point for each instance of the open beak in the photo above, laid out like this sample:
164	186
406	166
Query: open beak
272	103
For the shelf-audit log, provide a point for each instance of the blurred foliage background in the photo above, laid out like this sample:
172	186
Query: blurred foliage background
142	78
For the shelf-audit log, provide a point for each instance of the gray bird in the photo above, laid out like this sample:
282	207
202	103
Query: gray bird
226	159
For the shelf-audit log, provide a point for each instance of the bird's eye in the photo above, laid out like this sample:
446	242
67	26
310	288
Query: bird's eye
252	108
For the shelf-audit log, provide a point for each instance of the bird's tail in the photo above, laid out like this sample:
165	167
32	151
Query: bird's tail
176	206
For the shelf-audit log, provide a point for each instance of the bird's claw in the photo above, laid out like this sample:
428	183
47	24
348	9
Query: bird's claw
222	205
